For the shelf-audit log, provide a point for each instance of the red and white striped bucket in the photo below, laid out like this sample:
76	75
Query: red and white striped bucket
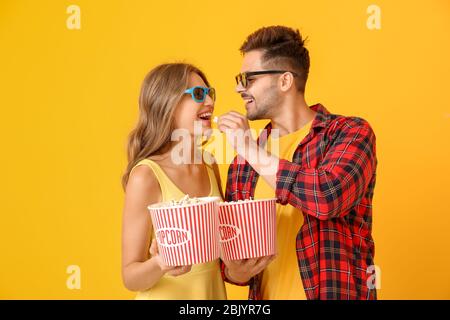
187	234
247	229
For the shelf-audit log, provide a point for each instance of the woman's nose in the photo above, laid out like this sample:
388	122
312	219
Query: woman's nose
208	100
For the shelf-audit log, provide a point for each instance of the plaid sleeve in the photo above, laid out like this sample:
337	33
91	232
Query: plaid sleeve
228	189
339	183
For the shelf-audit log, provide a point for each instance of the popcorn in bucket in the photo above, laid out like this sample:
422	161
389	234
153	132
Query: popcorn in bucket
186	230
247	229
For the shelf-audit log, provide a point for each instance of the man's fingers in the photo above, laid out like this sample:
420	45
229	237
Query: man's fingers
268	259
227	123
249	267
262	263
241	265
244	264
233	117
250	263
237	115
233	263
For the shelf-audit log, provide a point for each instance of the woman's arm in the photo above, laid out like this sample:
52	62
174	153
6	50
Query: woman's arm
139	272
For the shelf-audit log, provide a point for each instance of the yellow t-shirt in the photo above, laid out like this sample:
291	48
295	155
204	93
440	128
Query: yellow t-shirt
204	281
281	279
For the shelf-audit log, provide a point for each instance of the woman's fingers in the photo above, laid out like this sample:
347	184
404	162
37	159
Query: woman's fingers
173	271
154	248
178	271
186	269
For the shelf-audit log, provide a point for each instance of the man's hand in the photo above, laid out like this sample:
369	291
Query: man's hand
233	120
237	130
241	271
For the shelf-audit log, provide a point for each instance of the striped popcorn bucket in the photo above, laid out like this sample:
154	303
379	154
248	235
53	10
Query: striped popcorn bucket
247	229
187	234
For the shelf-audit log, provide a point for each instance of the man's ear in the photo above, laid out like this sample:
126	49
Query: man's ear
286	81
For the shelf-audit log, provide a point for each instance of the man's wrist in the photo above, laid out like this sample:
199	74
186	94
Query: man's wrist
248	150
232	278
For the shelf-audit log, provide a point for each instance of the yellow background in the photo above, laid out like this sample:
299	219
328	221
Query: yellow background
69	98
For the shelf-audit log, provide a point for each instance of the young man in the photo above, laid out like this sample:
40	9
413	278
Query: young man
323	177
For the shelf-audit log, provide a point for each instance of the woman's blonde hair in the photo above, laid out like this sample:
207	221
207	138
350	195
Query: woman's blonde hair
161	92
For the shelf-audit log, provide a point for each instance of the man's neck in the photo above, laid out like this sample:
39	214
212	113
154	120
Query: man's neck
292	115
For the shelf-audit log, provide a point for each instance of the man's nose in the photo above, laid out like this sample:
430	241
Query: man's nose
240	88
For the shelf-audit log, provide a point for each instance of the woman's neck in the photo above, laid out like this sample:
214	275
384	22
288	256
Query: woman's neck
182	154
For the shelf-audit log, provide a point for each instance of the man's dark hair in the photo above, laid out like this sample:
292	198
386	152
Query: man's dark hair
282	47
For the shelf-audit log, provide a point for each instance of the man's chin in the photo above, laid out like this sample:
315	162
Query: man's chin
256	114
253	117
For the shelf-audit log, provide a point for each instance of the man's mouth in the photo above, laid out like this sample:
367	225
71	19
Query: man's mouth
248	101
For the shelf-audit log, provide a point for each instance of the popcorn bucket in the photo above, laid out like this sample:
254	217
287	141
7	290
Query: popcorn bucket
247	229
187	234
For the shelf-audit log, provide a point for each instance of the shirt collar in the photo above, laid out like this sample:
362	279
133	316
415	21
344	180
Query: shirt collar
321	119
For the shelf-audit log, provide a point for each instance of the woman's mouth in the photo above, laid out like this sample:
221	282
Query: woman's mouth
205	116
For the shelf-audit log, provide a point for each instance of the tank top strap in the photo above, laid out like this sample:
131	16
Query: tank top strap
168	189
215	191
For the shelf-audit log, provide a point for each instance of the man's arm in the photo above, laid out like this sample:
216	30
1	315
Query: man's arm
241	272
328	191
340	182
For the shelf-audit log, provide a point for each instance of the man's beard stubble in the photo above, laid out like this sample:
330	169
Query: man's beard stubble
266	107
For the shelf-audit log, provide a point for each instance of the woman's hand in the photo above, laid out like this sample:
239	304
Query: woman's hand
171	271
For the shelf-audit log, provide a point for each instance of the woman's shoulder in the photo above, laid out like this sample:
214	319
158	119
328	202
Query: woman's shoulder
143	184
142	175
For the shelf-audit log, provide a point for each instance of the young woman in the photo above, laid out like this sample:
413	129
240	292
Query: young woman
173	97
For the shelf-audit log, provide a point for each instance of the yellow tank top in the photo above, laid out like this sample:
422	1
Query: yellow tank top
204	281
281	279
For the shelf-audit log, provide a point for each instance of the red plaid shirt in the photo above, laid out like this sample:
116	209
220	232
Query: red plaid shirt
331	179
